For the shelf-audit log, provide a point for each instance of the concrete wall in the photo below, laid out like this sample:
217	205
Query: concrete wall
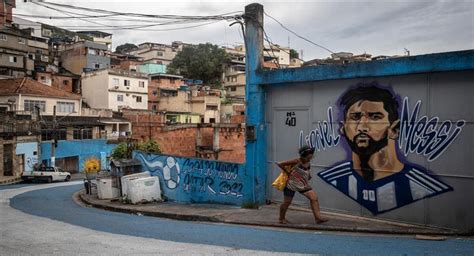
192	180
179	103
12	43
87	151
30	152
434	185
95	88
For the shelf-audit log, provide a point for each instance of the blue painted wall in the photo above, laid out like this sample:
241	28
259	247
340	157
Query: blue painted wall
192	180
84	149
28	149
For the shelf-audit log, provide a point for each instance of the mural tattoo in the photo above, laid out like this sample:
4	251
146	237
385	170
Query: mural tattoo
377	137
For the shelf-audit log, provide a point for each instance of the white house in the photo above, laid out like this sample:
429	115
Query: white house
23	94
115	89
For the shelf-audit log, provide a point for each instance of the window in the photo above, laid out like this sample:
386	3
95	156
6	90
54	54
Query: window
126	82
212	120
154	108
233	89
234	79
61	134
141	84
3	37
211	107
65	107
120	97
115	81
65	82
91	51
159	53
13	59
97	65
139	98
82	134
42	78
30	105
46	135
21	40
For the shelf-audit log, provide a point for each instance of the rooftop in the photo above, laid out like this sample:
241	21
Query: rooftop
27	86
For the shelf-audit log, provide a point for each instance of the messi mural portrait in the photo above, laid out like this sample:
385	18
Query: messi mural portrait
378	132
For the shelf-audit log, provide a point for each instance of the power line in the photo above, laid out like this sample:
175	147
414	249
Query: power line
137	27
294	33
192	17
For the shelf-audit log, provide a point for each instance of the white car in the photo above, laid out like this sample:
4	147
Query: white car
48	174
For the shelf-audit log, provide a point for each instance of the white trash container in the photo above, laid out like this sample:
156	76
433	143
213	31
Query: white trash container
143	190
125	180
105	189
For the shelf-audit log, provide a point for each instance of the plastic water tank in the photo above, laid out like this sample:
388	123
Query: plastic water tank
143	190
105	189
125	180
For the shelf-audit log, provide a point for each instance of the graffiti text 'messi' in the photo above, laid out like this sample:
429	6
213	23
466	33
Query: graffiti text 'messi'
426	136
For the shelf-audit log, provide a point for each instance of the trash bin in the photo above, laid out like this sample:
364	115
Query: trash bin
127	178
144	190
105	189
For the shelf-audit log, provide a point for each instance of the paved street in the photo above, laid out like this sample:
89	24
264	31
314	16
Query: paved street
42	219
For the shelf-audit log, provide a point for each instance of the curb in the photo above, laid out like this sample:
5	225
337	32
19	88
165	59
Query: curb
11	181
186	217
79	198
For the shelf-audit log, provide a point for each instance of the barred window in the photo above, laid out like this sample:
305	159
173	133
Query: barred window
30	105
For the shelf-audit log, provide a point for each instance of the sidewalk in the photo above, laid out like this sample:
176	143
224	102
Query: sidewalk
8	180
266	216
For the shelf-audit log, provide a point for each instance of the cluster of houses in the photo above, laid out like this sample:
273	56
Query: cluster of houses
63	93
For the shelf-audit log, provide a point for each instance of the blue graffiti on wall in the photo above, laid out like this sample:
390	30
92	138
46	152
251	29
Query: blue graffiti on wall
166	166
196	180
202	175
376	176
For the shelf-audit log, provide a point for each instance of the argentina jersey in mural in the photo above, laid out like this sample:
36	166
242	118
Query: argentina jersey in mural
409	185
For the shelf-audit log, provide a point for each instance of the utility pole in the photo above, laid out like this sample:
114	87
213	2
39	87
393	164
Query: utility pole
255	144
54	143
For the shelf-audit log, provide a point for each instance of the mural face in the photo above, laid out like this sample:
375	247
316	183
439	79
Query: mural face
91	165
196	180
375	174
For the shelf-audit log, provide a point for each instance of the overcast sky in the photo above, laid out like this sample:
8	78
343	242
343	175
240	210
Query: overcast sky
376	27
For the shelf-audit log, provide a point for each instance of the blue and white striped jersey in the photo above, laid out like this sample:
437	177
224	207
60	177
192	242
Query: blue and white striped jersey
385	194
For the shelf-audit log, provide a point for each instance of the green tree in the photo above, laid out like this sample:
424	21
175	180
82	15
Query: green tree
125	48
294	54
150	146
120	151
205	62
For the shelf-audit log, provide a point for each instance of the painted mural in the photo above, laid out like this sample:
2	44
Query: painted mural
197	180
91	165
377	136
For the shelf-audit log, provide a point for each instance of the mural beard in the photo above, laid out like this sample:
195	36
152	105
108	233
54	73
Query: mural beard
364	153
